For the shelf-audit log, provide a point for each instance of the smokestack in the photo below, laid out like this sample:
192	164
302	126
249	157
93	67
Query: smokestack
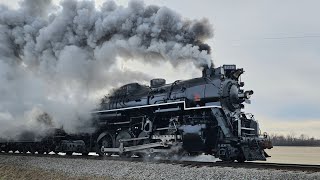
208	71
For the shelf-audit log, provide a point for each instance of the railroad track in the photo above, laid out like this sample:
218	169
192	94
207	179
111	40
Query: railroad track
277	166
184	163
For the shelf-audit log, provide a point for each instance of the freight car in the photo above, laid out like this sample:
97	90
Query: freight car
199	115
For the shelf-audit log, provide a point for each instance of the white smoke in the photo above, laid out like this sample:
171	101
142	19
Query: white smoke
56	59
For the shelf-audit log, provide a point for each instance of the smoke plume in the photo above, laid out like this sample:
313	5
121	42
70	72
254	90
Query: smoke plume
58	59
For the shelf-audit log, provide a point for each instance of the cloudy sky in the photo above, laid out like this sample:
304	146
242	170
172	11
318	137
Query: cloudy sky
278	45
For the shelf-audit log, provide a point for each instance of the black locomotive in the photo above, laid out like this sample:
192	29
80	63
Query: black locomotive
200	115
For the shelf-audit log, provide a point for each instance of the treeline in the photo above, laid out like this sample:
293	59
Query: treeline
291	140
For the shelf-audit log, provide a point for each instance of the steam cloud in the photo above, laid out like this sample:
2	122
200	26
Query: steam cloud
56	59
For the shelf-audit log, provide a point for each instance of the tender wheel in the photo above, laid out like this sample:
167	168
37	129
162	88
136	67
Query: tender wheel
40	152
241	158
24	150
20	149
69	153
107	142
40	149
31	150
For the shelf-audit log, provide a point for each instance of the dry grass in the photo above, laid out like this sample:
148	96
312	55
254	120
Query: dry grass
8	172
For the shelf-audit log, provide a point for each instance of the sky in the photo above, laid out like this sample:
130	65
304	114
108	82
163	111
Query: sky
278	45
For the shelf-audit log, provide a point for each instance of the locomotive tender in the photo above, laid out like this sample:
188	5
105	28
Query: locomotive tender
200	115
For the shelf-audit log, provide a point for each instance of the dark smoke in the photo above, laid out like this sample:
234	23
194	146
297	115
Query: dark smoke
59	60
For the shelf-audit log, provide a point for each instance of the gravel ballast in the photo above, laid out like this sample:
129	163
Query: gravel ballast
145	170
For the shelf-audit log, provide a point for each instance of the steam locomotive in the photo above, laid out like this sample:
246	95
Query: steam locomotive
190	117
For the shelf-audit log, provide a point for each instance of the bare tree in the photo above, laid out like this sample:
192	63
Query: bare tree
292	140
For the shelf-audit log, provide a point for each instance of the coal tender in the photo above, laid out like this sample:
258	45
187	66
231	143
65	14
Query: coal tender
195	116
